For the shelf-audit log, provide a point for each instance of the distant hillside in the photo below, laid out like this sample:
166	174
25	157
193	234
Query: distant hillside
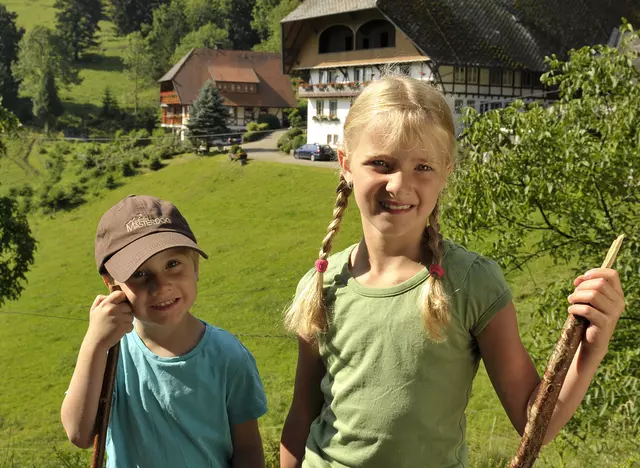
101	68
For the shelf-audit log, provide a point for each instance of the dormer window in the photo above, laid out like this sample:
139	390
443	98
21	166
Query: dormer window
337	38
376	34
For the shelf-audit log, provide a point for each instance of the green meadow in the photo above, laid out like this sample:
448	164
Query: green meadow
261	225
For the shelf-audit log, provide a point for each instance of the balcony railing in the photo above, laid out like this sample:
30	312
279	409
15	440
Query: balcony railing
348	88
171	120
169	97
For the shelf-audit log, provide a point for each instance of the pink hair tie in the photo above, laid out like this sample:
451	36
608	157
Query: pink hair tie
321	265
436	270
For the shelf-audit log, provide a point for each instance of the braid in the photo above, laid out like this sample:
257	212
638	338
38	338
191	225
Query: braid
307	315
339	208
433	235
435	310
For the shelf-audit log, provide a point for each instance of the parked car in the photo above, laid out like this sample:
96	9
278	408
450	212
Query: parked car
315	152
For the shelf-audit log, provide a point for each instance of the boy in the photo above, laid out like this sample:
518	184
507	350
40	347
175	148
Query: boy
186	394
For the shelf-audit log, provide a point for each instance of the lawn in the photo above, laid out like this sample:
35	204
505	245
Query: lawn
261	225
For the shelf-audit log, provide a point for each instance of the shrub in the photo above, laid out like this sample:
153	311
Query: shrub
127	169
263	127
156	164
298	141
235	149
61	197
273	122
251	136
292	132
252	127
110	182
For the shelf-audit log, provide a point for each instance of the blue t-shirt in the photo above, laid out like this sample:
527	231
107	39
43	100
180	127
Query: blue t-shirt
178	411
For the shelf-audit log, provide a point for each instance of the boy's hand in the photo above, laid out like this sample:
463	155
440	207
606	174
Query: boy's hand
111	318
599	298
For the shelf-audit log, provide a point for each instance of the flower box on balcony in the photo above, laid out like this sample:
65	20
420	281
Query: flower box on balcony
325	118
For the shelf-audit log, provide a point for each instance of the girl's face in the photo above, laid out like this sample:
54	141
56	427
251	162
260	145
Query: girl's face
395	189
163	289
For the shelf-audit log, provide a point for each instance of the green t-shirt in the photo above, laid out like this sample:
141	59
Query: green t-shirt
393	398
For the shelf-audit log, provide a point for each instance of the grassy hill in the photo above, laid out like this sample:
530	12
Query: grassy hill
261	225
100	67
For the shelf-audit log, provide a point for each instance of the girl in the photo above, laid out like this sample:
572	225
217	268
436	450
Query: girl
391	330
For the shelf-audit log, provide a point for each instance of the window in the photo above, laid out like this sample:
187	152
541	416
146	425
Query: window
457	105
323	76
405	69
384	39
335	139
459	74
319	107
473	75
375	34
357	74
328	139
471	103
496	105
338	38
248	113
331	76
333	108
484	107
495	77
527	79
507	78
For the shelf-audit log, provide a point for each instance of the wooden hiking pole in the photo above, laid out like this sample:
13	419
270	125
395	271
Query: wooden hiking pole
104	404
551	384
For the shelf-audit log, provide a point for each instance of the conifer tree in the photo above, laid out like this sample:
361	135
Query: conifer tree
208	115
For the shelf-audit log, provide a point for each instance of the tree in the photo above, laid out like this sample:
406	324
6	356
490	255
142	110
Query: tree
46	103
41	50
130	15
169	26
8	125
77	23
208	35
238	24
137	65
563	182
267	17
110	109
208	115
10	36
17	245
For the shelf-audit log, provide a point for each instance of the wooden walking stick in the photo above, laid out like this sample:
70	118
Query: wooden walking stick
104	404
551	384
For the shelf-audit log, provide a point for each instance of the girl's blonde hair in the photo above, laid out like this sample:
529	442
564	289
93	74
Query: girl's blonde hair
404	111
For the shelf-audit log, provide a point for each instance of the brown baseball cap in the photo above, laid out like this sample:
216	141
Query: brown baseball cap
137	228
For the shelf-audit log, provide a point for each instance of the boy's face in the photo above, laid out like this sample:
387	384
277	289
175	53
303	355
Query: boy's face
164	288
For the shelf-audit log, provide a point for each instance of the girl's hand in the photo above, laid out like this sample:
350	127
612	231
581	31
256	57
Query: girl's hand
599	298
111	318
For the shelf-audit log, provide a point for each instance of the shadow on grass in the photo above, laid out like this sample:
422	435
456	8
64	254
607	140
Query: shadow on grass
81	109
101	63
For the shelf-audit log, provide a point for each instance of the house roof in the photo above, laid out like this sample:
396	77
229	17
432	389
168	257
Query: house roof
233	74
314	9
201	64
492	33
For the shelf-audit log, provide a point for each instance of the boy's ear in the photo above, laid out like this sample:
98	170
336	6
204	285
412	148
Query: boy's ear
108	280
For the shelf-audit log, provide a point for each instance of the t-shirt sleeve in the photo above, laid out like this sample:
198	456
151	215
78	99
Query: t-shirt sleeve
246	399
487	293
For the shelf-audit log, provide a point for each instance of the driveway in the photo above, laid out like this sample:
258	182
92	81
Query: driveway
267	150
